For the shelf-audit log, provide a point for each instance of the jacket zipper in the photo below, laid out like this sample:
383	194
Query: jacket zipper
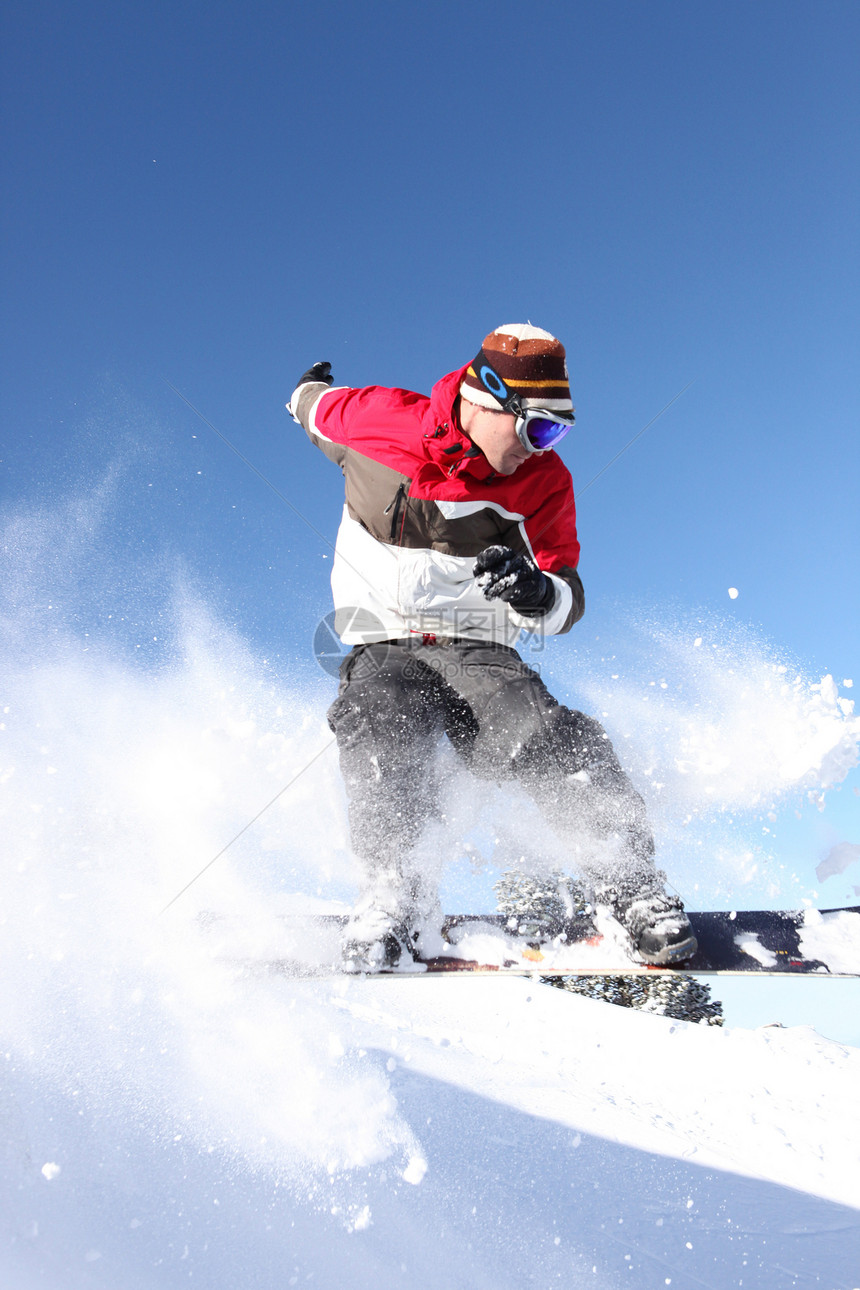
394	505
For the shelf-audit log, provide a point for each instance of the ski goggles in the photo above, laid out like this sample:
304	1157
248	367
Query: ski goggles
538	431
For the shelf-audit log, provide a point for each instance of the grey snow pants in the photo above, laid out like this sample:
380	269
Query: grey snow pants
397	699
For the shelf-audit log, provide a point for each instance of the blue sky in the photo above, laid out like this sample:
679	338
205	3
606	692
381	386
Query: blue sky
216	195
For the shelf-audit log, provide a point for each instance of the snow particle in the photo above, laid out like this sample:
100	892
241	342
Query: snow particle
415	1170
734	593
362	1220
50	1170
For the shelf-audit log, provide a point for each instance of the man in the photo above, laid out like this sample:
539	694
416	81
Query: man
459	533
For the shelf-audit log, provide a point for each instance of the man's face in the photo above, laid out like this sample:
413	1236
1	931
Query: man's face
496	436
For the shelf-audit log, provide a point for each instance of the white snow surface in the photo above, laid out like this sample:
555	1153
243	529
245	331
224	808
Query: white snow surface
488	1132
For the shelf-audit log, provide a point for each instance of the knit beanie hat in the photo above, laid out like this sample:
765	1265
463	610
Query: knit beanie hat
531	364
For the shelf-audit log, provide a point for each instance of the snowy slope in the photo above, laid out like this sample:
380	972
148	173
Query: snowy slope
478	1133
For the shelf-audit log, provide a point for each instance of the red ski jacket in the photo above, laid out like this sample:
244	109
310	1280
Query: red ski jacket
421	503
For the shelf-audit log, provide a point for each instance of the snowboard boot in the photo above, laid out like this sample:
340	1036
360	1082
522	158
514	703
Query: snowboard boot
654	920
376	937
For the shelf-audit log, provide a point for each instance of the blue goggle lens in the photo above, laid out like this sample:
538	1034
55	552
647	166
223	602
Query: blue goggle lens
544	433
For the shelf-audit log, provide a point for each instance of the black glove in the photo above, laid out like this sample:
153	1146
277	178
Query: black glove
503	574
319	372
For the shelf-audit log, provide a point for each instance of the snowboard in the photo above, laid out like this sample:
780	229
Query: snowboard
756	942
